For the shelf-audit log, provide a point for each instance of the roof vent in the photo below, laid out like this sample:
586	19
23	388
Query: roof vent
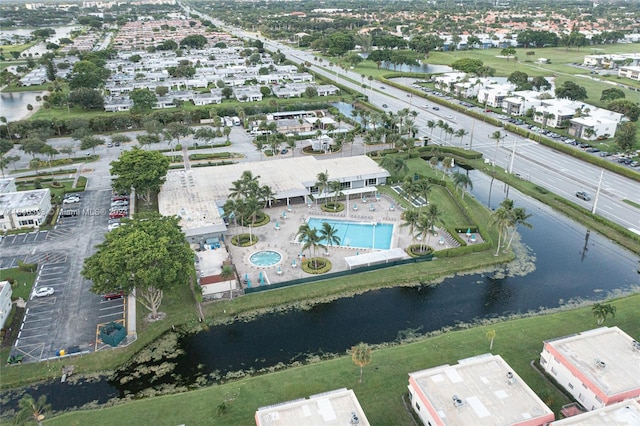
510	378
600	364
457	402
354	419
635	345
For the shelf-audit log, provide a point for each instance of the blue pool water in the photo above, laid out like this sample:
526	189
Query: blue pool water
358	234
265	258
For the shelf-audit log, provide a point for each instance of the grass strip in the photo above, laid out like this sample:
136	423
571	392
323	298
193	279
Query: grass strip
518	341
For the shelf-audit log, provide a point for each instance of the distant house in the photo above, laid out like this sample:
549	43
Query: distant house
117	103
24	209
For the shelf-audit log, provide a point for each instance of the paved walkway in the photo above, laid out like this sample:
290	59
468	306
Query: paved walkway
282	239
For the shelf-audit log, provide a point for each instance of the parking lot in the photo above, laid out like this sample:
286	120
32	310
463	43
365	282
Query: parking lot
69	318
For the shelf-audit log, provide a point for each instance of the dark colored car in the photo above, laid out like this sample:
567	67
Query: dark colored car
583	196
114	295
385	106
436	108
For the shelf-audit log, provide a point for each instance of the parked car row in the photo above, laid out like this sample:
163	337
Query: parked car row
119	208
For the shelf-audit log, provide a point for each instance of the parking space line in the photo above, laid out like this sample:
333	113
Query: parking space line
36	320
37	335
119	314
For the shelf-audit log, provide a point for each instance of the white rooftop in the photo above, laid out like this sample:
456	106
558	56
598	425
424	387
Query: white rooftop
485	393
339	407
623	413
195	195
7	185
22	199
611	346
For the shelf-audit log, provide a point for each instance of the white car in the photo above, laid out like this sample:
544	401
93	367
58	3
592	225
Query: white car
43	292
113	226
120	204
449	116
70	200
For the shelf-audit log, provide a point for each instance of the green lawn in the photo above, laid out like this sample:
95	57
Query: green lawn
518	341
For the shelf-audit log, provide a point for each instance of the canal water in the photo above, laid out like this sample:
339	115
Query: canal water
560	262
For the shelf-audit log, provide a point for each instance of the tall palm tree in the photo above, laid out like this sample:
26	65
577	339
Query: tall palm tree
321	183
32	410
250	211
336	188
519	217
498	137
329	234
311	241
411	219
431	125
462	180
461	133
434	218
501	218
447	164
423	188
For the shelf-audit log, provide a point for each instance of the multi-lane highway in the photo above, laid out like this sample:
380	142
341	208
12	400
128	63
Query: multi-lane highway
559	173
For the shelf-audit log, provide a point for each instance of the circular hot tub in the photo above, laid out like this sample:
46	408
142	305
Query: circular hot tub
265	258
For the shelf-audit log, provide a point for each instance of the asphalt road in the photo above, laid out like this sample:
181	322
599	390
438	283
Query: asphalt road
555	171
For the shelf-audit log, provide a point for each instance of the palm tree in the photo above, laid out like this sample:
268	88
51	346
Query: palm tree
461	133
497	136
600	312
329	234
411	219
361	355
31	409
423	188
447	164
250	210
501	219
4	121
519	216
227	273
336	188
311	241
462	180
322	183
433	215
431	125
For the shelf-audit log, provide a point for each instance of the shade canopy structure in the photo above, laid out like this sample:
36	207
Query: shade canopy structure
375	258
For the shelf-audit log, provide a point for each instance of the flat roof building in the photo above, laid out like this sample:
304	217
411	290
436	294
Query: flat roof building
624	413
598	367
197	195
338	407
24	209
482	390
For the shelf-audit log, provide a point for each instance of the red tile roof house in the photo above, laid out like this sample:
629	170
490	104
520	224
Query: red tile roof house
598	367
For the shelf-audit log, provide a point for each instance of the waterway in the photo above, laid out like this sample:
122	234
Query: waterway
13	105
560	263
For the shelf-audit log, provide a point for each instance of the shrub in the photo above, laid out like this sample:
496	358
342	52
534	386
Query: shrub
323	265
419	250
332	207
244	240
27	267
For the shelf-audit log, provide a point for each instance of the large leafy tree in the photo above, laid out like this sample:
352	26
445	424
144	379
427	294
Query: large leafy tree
626	136
143	100
611	94
145	171
87	74
571	90
87	98
149	254
626	107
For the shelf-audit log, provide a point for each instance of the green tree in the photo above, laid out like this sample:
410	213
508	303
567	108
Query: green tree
630	109
329	234
361	356
157	259
519	217
91	142
175	131
501	218
32	410
227	92
145	171
87	98
194	41
87	74
571	90
205	133
491	335
143	100
611	94
602	311
310	240
626	136
322	183
462	180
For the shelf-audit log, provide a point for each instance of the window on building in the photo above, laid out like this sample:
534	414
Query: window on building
581	397
570	386
553	370
417	406
371	182
345	185
543	361
598	399
313	189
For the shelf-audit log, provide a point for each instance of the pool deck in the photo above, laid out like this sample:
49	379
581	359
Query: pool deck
283	241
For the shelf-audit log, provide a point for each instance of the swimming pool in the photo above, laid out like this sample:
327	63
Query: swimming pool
358	234
265	258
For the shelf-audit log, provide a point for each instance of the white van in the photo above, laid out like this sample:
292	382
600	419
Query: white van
236	121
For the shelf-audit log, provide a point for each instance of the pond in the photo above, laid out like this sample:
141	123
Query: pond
560	262
14	105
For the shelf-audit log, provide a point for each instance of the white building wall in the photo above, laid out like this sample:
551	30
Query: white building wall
585	396
5	302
